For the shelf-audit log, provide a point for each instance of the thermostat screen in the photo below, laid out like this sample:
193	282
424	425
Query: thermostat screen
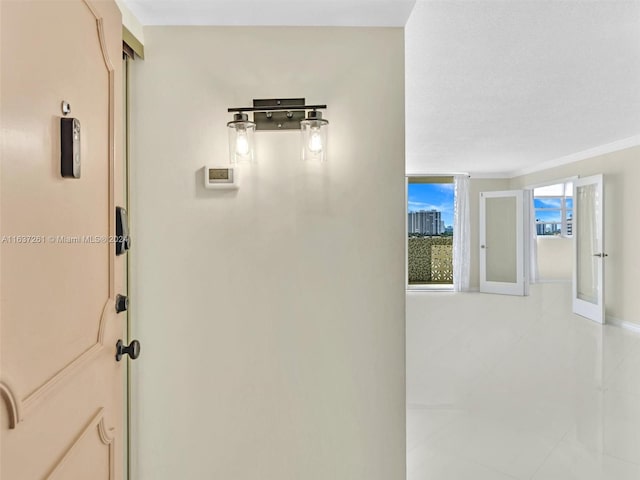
218	174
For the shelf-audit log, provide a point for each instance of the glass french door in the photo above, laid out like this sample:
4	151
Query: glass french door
503	235
589	253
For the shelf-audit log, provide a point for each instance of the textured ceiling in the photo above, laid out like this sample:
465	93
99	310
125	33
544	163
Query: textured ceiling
505	86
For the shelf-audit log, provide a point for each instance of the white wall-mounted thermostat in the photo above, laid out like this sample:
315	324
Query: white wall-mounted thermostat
220	177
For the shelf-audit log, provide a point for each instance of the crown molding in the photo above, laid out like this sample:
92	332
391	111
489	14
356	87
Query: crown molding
489	175
576	157
476	175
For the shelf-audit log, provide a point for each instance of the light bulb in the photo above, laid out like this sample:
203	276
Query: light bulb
240	138
242	143
314	137
315	141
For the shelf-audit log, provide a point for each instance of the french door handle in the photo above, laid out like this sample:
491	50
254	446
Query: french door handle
483	246
600	255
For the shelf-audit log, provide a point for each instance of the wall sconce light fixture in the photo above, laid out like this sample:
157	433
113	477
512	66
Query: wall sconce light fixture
278	114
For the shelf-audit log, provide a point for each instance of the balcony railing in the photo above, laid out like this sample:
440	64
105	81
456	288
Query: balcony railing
430	260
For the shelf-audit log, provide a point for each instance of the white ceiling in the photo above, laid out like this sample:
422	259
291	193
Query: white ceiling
491	86
351	13
505	86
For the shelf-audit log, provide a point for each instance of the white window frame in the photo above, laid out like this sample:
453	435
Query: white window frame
564	220
423	287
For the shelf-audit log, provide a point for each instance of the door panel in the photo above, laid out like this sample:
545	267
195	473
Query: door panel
502	243
58	271
589	253
91	451
502	257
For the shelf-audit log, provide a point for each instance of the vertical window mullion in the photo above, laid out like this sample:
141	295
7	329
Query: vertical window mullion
563	211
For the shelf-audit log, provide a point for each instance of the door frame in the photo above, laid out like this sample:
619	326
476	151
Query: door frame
132	51
420	287
127	57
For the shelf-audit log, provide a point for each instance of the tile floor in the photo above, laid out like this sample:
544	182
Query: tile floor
503	387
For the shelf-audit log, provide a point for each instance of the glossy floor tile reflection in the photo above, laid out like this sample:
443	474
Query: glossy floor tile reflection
503	387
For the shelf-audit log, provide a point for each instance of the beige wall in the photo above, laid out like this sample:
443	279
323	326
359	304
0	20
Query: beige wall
622	196
476	186
271	317
555	258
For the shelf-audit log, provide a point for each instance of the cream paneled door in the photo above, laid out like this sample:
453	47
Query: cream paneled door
62	407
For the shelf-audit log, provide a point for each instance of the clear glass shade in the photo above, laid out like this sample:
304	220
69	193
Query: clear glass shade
314	139
241	141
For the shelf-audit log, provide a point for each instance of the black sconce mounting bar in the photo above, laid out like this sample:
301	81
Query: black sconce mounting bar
278	113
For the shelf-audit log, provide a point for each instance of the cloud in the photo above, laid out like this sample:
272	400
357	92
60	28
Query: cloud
415	206
426	206
446	187
542	203
432	196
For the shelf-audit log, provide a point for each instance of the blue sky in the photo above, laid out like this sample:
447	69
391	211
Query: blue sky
427	196
552	215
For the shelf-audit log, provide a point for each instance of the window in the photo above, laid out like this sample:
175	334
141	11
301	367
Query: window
554	209
430	206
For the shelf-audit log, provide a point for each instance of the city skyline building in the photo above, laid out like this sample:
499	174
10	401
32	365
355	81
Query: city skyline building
426	222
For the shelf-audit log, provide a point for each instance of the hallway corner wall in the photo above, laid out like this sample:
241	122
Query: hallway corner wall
272	317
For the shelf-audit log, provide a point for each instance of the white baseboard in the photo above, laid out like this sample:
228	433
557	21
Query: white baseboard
631	326
438	288
430	287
